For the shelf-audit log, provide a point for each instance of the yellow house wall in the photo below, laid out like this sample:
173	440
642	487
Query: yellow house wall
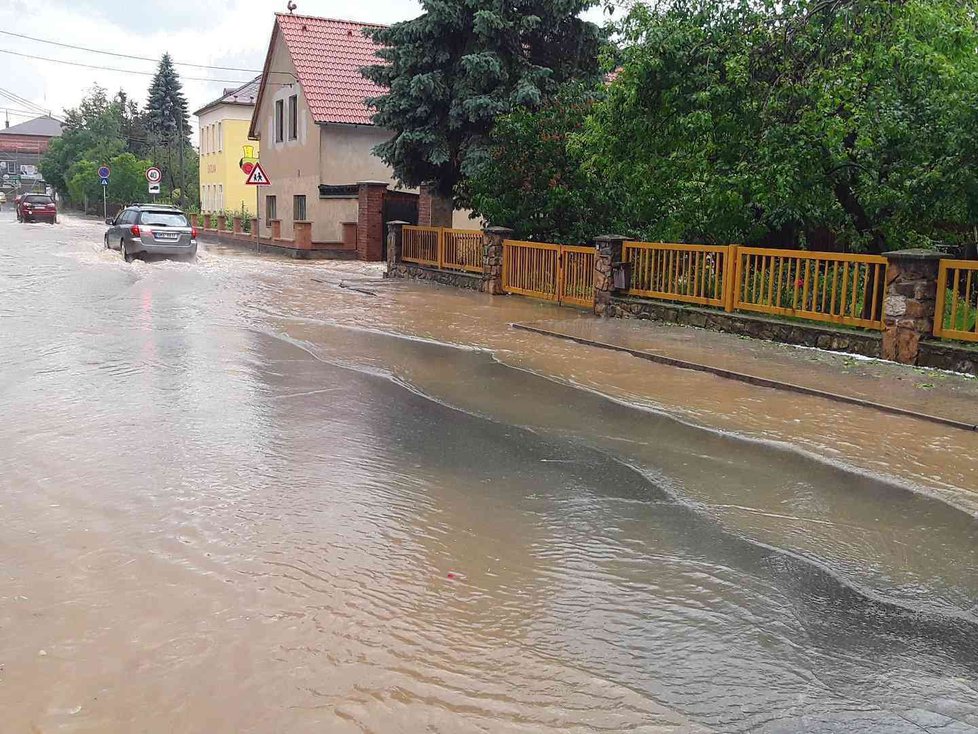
221	166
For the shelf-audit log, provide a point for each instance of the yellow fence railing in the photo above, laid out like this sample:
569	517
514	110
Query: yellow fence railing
462	250
689	273
530	269
442	247
820	286
561	273
421	245
577	275
957	300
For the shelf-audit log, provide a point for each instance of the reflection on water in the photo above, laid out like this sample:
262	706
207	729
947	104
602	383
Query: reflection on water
219	519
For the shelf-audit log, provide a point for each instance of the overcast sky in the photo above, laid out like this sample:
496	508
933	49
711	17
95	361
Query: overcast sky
211	32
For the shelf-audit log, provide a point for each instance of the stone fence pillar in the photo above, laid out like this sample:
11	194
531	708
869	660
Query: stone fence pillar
222	222
236	225
395	236
492	259
606	259
254	227
910	302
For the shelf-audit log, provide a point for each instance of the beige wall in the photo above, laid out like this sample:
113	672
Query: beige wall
346	155
291	165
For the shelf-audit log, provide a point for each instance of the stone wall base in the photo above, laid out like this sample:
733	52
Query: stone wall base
470	281
283	248
951	356
867	344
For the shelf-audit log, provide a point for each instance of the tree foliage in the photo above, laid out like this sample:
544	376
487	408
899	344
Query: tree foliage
534	181
115	132
452	71
820	123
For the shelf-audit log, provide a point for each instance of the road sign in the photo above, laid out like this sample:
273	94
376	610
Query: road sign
104	181
154	175
103	172
257	177
154	188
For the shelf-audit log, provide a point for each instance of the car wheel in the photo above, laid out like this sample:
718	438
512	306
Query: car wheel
125	255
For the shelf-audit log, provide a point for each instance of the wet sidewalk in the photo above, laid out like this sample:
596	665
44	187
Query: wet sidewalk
933	395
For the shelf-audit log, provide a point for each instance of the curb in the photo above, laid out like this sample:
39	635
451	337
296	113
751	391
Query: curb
752	379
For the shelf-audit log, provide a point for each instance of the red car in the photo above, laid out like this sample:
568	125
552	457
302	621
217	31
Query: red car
37	208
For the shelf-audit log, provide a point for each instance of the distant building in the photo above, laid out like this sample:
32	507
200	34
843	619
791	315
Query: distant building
21	148
226	153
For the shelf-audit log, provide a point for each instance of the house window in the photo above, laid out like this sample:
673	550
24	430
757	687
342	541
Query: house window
293	117
299	208
220	197
279	122
271	210
220	138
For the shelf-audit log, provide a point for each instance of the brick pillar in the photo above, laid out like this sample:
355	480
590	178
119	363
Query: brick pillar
910	303
370	220
492	259
434	210
194	220
303	235
236	225
607	257
254	227
276	225
222	222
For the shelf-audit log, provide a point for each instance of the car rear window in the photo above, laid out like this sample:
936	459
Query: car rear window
163	219
38	199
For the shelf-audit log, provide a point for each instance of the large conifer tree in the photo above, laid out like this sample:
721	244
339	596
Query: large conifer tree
458	66
166	107
168	124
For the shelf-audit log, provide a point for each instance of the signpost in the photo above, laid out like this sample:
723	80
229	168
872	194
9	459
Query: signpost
103	177
154	175
257	178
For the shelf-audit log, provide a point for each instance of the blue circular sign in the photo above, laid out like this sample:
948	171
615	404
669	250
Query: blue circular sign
103	172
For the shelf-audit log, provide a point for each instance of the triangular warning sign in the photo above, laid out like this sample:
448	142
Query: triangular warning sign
257	177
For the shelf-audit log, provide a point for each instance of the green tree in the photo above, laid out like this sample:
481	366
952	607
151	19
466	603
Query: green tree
534	179
452	71
826	124
91	131
127	183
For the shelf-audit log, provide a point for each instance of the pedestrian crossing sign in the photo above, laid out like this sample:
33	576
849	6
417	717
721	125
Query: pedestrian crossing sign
257	177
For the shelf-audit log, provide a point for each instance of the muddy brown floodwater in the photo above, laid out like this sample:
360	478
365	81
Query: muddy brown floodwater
238	497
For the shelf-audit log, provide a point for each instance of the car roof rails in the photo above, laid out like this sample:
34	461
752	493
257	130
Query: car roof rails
151	205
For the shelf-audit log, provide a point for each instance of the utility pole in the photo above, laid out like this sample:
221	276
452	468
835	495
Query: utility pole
183	175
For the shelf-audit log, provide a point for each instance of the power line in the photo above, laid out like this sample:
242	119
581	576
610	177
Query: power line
121	71
128	56
17	99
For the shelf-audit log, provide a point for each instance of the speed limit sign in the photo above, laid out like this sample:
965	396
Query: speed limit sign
154	175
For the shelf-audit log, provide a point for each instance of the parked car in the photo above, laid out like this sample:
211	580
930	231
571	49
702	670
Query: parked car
37	207
151	229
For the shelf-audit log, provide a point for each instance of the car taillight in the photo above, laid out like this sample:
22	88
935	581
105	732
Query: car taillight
193	233
134	230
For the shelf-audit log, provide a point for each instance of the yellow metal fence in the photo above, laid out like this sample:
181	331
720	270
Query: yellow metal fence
957	300
689	273
443	247
561	273
820	286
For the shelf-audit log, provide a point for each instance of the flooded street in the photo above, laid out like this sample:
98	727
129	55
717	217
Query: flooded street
254	495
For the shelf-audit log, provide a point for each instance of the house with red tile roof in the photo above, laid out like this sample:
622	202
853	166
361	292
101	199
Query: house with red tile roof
328	192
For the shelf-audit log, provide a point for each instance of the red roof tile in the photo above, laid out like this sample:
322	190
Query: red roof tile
328	55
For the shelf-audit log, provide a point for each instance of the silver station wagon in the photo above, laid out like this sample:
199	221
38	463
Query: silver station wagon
151	229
